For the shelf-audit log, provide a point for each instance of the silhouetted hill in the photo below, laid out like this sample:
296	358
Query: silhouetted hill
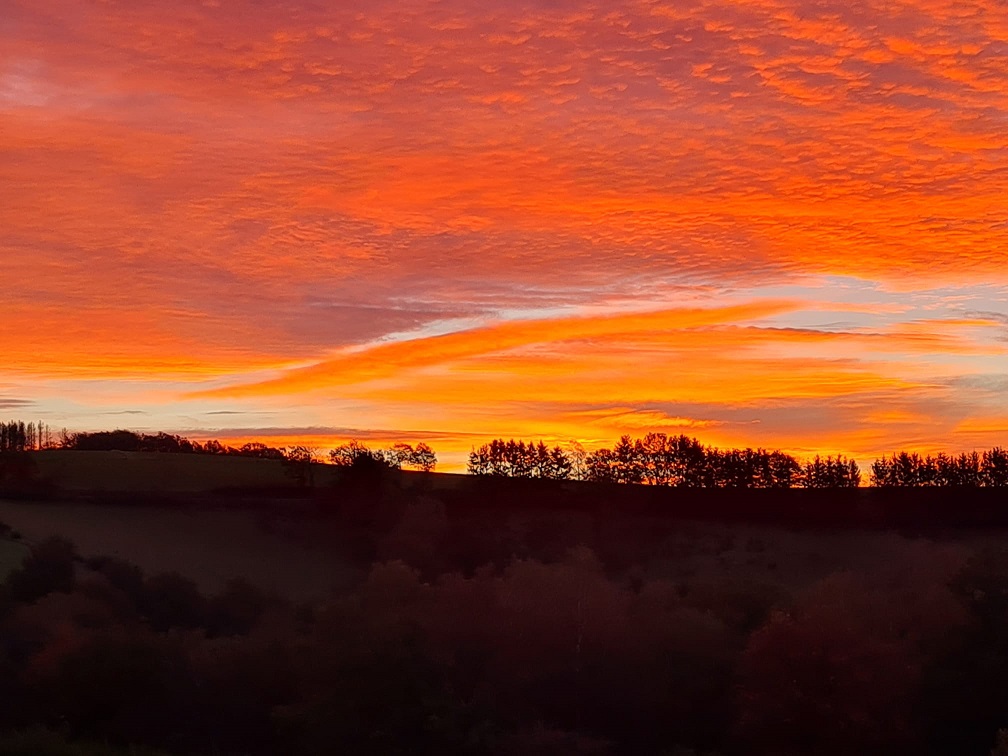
212	480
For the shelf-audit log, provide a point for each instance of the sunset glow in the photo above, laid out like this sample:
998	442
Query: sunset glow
775	223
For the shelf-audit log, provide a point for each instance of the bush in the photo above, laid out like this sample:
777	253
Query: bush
121	575
982	585
240	680
171	600
418	538
386	697
838	672
237	609
49	568
962	698
125	686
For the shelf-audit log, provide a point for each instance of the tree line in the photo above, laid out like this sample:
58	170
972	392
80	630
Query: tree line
654	459
16	436
661	460
356	455
988	469
165	443
518	460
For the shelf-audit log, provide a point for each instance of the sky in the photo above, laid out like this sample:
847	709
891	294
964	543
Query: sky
777	223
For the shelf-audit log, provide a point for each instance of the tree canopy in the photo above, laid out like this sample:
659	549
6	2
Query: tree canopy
660	460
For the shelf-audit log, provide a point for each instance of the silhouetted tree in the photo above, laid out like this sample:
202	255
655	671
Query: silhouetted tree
692	461
15	437
629	468
422	457
601	466
260	451
516	459
733	468
578	459
911	470
300	463
994	468
656	459
958	472
903	470
560	466
831	472
479	461
216	447
348	454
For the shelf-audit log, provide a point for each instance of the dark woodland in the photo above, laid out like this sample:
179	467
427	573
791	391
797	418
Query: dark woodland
538	605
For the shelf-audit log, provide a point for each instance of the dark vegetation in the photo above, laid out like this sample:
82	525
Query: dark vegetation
420	457
16	436
476	631
975	470
661	460
684	462
128	441
518	611
654	459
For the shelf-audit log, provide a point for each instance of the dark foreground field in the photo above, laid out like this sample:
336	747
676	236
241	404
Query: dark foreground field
389	614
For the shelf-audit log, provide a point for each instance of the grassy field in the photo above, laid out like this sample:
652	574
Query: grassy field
211	547
149	472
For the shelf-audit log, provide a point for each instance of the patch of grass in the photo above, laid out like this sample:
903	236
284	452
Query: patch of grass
98	471
211	546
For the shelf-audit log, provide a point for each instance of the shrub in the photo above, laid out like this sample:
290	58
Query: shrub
171	600
838	672
125	686
236	609
121	575
982	585
49	567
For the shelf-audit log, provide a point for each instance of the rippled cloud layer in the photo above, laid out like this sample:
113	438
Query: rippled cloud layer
775	222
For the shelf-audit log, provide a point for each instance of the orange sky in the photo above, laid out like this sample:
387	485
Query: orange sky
775	223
